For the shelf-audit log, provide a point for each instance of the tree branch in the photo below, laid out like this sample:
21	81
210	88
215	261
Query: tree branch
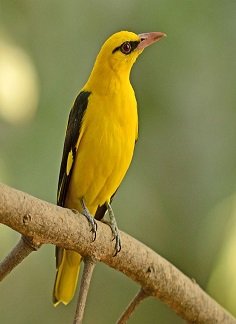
141	295
46	223
89	265
23	248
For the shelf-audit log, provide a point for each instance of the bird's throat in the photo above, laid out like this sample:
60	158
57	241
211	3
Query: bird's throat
106	79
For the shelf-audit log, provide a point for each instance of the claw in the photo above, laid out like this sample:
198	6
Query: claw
93	225
90	219
114	229
93	229
117	245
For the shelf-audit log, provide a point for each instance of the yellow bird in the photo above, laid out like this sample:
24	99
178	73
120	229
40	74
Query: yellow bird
99	145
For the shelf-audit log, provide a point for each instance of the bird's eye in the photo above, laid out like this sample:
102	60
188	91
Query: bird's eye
126	48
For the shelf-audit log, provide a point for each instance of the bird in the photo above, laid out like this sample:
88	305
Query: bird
99	144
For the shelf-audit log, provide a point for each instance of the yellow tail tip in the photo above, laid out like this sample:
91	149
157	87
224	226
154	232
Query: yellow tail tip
66	278
58	302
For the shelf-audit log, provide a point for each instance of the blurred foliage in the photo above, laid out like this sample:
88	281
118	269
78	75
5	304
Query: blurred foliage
222	283
185	159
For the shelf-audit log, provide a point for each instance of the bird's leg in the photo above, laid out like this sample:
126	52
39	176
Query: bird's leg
89	265
114	228
90	218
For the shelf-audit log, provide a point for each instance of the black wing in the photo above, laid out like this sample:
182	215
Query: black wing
72	135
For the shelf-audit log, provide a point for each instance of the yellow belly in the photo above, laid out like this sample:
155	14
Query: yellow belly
104	152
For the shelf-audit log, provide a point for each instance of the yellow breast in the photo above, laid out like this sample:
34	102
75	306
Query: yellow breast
105	147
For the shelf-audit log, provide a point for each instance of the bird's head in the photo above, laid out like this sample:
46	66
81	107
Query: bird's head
120	50
116	58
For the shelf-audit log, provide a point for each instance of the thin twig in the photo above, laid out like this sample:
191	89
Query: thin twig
141	295
22	249
89	265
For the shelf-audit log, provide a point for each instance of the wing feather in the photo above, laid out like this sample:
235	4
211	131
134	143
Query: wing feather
69	153
69	150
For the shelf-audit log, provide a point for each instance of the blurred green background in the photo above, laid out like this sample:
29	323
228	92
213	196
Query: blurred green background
179	194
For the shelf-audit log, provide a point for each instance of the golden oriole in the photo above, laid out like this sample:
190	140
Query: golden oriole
99	144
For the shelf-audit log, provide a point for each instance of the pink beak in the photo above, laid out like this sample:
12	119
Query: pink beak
147	39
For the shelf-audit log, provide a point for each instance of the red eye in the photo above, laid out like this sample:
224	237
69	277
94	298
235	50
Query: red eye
126	48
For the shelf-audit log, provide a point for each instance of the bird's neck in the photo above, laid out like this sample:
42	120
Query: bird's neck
105	79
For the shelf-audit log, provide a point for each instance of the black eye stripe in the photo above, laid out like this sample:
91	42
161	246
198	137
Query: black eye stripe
133	45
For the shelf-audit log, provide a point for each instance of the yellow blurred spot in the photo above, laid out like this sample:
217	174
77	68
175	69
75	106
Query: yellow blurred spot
18	84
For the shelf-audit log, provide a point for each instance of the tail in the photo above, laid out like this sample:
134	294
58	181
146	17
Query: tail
66	277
